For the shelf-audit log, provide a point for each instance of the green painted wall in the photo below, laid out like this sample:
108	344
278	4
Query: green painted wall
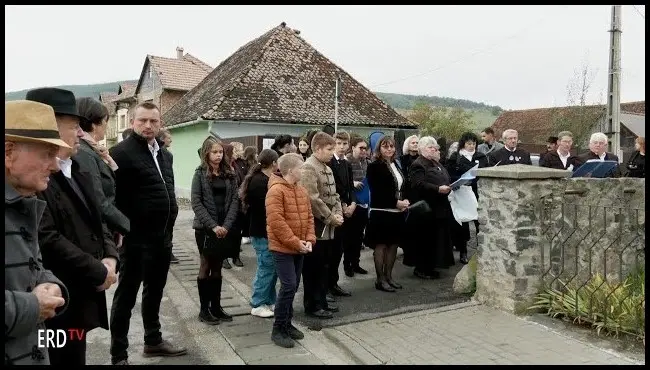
185	143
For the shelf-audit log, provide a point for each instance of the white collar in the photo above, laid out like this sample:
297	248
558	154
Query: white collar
66	167
508	149
602	156
563	156
155	147
337	157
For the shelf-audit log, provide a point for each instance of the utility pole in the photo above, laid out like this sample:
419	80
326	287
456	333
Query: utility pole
614	83
337	98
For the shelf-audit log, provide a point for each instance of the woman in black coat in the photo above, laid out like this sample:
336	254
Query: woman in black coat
458	163
636	165
430	182
386	183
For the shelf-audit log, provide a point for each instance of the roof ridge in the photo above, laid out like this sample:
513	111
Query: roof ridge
250	65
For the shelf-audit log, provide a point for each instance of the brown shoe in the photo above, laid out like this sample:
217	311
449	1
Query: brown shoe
164	349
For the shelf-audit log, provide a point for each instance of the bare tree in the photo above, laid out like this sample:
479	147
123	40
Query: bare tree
580	117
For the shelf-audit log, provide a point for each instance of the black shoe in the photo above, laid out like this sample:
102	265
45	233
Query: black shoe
426	275
332	308
329	298
294	333
226	264
206	317
215	302
349	272
360	270
394	284
281	338
320	314
164	349
463	258
174	260
338	291
124	362
383	286
237	262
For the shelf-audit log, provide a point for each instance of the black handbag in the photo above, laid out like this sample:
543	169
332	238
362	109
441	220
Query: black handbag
213	245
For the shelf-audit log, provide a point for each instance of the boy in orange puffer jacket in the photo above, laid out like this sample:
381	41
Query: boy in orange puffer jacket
290	229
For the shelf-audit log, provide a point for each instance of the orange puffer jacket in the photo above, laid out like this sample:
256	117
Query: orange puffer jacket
288	216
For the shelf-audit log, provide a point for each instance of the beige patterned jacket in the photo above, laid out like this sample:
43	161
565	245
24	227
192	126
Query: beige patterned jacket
318	179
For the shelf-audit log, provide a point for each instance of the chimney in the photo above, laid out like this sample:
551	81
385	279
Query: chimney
179	52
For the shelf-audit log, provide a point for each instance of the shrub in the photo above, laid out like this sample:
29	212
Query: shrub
609	308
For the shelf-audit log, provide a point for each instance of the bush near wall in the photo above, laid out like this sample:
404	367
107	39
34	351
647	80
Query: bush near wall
612	309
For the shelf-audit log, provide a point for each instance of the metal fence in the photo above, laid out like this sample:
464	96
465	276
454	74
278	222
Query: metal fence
593	259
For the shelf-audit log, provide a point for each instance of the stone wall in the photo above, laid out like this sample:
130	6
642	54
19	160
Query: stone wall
540	227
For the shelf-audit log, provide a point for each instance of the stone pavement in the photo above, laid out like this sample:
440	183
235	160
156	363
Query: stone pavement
463	333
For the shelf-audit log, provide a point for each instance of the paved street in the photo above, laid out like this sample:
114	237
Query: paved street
371	329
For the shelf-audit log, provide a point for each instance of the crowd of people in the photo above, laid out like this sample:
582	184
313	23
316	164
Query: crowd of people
80	217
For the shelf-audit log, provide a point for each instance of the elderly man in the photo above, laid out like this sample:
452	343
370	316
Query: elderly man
76	243
32	293
144	187
509	154
598	150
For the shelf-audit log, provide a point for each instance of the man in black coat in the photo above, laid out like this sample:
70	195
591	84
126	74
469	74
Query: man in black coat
561	158
144	187
342	170
509	154
74	240
598	150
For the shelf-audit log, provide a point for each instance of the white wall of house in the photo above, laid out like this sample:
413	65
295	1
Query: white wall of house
122	122
228	129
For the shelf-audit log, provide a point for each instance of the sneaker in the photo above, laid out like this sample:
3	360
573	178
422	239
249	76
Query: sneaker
245	241
262	311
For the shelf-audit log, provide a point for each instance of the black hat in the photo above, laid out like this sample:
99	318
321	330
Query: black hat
329	129
62	101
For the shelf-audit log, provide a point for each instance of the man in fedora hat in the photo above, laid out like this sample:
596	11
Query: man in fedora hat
32	293
75	241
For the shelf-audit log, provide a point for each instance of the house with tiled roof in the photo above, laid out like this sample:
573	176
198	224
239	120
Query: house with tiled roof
275	84
162	81
536	125
108	99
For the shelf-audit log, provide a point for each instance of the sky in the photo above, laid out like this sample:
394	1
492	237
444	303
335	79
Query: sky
517	57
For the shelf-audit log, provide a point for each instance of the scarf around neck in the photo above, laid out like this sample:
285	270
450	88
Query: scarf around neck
466	154
101	150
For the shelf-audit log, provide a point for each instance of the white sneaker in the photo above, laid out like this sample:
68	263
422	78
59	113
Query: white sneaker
245	240
262	311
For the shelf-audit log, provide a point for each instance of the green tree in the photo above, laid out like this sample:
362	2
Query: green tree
450	123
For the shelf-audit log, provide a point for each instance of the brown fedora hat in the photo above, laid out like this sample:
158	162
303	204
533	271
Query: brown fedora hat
31	121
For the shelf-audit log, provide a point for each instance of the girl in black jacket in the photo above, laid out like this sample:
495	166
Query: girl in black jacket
215	203
253	195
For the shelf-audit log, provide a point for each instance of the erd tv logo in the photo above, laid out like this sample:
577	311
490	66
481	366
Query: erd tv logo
51	338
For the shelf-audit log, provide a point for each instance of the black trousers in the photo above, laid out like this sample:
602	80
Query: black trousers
149	265
288	268
73	353
352	237
334	255
314	276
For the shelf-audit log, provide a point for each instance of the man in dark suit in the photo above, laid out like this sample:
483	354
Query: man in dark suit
74	240
342	171
509	154
561	158
144	188
598	150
